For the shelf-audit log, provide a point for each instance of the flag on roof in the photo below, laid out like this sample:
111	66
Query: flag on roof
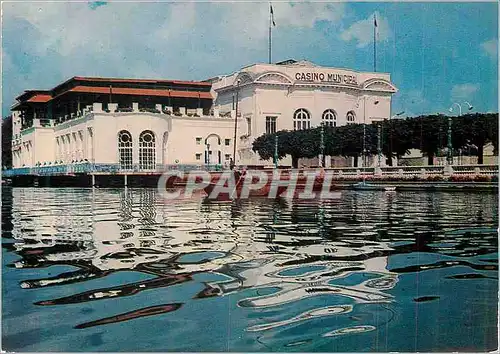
272	14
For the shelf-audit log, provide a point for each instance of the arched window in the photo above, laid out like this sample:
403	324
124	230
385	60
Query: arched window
147	150
329	118
351	117
125	150
301	119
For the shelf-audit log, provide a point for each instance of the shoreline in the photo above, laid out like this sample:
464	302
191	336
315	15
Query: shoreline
151	181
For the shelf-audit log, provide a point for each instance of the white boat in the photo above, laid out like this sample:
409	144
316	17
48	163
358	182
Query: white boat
363	186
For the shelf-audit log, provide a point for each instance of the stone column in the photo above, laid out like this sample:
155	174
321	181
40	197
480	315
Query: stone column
97	107
448	170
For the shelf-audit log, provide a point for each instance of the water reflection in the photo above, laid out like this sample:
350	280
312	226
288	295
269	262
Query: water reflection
268	253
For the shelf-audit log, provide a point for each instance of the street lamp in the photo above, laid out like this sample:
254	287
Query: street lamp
469	107
379	146
236	120
276	150
322	144
376	102
390	138
459	108
450	147
397	114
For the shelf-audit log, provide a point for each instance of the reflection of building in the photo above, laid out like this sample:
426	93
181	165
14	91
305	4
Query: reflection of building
101	231
141	124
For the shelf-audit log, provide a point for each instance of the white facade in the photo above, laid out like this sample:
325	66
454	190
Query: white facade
94	137
268	98
300	93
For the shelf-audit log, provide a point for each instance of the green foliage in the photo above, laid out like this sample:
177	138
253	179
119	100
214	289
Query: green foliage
398	136
264	145
7	142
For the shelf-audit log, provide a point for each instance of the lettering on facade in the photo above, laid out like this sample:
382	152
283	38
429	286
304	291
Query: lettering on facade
322	77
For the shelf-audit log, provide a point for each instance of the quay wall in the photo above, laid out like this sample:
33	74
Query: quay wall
441	177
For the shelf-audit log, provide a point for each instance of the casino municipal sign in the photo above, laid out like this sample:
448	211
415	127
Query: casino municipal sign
322	77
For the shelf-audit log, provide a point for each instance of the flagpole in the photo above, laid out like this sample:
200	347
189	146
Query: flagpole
374	43
270	33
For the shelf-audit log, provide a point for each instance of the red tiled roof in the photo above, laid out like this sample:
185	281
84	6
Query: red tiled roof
40	98
132	81
30	93
141	92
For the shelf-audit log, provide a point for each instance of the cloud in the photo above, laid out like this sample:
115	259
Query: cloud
178	40
306	14
490	48
464	91
362	31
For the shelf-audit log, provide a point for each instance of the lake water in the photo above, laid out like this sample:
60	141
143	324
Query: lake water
123	270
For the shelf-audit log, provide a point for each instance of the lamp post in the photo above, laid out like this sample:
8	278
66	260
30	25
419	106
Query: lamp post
450	146
397	114
276	151
236	120
379	145
390	132
469	107
459	108
364	128
322	144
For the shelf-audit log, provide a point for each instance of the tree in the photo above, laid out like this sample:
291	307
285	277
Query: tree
7	142
429	134
301	144
398	136
477	129
349	141
264	145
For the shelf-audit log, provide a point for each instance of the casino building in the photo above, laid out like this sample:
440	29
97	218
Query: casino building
147	124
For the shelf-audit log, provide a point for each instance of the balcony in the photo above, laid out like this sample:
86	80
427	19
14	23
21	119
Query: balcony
135	107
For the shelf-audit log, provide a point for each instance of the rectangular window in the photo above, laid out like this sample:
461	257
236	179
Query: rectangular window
198	141
126	159
227	157
270	125
227	142
249	126
198	156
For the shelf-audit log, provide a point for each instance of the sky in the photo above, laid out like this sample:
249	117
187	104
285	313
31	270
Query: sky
436	53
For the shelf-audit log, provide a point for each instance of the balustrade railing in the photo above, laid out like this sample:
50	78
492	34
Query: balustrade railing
89	167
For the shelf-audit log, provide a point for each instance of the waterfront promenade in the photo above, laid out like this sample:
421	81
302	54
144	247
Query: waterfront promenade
88	174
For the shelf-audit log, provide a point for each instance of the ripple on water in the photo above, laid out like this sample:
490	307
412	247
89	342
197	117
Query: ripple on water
349	330
214	275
